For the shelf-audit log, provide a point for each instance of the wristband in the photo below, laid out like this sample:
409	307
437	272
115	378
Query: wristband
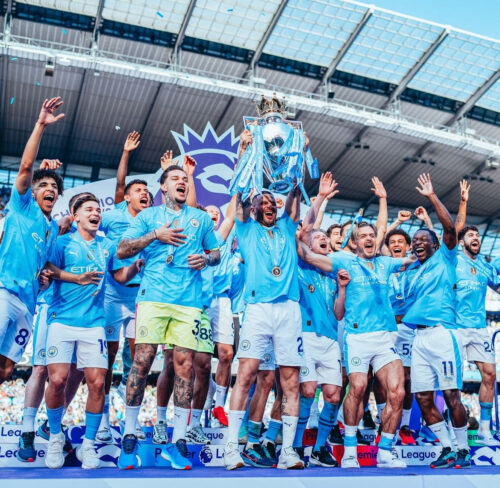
154	232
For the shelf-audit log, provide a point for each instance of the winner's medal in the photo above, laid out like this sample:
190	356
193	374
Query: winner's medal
274	245
276	271
169	259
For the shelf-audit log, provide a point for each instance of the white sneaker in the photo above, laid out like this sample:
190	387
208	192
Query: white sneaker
104	435
87	456
55	454
160	433
349	462
141	436
196	435
232	457
216	424
389	459
289	459
484	437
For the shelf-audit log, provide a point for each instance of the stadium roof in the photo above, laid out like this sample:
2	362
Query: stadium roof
378	92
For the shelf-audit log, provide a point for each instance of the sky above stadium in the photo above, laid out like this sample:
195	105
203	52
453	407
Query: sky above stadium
477	16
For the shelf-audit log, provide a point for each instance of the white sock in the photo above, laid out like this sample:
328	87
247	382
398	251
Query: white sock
289	428
405	419
461	435
380	407
220	395
441	431
484	426
131	414
350	451
161	414
87	443
195	416
181	416
235	418
29	416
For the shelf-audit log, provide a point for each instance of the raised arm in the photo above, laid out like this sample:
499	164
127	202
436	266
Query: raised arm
292	204
449	231
189	165
228	223
379	191
422	215
131	144
319	261
45	118
326	191
343	279
403	216
462	208
243	208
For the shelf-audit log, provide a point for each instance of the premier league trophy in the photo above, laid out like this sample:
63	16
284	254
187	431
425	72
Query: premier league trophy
277	152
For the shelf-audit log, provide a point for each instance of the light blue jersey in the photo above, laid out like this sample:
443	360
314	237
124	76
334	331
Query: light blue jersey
114	224
26	241
207	275
367	307
430	290
496	265
473	278
398	285
222	272
237	290
264	249
317	298
173	282
73	304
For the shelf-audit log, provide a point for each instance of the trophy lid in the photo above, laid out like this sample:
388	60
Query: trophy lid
271	107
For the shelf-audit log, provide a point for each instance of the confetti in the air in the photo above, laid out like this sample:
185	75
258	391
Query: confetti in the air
12	100
160	15
37	83
117	127
14	58
230	9
64	31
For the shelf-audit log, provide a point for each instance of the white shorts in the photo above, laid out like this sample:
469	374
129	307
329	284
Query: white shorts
436	360
90	345
119	314
221	320
16	324
322	360
477	344
340	335
279	323
374	349
403	341
40	330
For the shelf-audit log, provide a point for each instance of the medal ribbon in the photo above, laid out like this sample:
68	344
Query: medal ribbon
274	245
181	224
101	261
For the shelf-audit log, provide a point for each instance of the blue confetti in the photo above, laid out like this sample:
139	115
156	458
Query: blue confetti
230	9
160	14
12	100
37	83
64	31
14	58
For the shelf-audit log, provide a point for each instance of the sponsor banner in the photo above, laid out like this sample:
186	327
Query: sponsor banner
309	438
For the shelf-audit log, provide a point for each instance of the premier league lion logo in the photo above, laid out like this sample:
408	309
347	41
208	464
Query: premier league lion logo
206	454
215	158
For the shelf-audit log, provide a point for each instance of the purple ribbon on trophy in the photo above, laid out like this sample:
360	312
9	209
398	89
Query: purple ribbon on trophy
277	152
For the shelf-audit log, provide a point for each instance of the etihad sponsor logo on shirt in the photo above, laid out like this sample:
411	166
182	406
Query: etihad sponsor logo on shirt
83	269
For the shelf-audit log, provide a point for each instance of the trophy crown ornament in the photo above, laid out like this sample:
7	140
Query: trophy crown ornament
271	107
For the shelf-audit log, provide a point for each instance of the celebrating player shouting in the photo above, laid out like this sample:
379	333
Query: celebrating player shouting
174	239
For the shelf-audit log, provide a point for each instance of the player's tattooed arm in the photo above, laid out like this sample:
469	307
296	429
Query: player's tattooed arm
462	209
143	360
130	247
449	231
200	261
243	208
46	117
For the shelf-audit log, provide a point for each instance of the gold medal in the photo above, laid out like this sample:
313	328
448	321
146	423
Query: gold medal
276	271
311	288
169	259
473	270
370	264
